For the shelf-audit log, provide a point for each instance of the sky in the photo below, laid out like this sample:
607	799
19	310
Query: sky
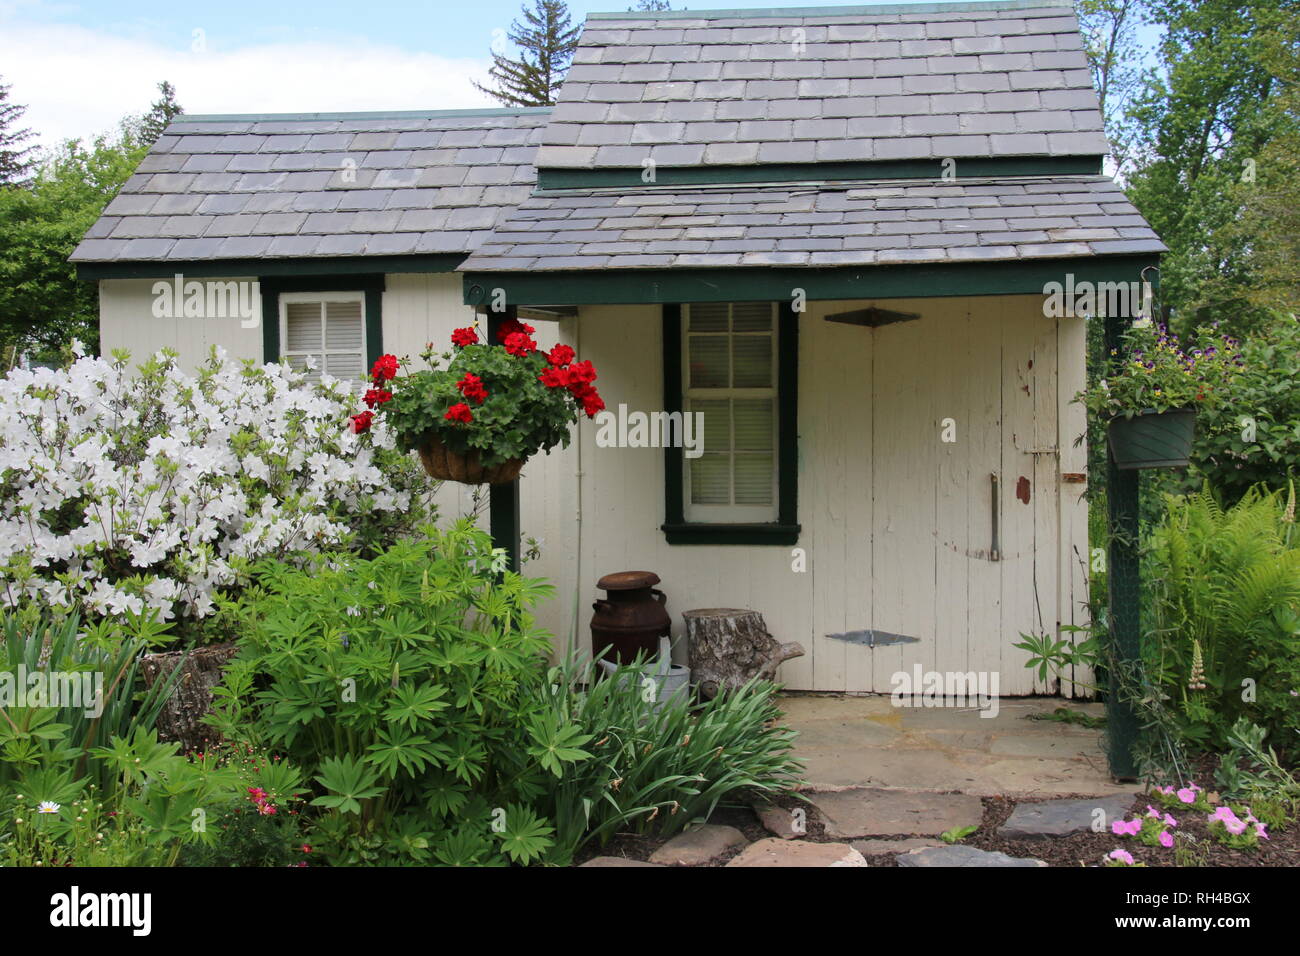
79	67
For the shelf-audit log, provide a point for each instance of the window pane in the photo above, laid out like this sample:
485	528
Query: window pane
709	362
753	356
343	329
717	424
344	365
302	325
708	317
755	424
754	479
711	479
752	317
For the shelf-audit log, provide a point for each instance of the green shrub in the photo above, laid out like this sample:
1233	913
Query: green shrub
1223	640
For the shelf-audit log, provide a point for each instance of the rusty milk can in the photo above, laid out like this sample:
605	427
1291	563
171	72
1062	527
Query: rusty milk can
631	619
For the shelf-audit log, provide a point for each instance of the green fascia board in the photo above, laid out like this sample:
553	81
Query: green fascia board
866	171
230	268
760	283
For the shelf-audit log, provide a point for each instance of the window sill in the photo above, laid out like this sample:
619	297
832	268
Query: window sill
773	534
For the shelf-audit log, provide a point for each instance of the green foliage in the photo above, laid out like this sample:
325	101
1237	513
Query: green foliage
42	302
15	158
957	834
409	689
1253	434
93	675
661	765
1225	616
1249	771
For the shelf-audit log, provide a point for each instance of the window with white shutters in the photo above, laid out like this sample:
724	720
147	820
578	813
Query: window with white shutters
729	366
327	327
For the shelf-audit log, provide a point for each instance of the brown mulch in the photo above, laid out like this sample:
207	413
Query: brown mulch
1080	849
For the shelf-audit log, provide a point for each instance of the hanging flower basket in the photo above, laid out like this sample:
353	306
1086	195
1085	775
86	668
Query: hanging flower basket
466	467
477	418
1153	439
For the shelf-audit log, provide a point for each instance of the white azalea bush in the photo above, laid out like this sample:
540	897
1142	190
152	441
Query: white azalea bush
147	491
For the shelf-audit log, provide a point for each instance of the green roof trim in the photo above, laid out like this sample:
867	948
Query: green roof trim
654	286
223	268
849	11
866	172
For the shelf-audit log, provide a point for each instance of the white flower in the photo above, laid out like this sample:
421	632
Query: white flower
48	806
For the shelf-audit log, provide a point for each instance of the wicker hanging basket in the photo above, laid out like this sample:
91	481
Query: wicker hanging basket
447	465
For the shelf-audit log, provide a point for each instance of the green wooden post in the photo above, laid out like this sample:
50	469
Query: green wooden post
503	500
1123	579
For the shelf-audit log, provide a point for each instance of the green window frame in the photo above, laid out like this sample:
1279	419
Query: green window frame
784	530
370	287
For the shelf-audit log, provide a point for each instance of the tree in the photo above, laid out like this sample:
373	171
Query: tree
1199	123
650	6
42	302
546	42
160	113
1110	40
16	160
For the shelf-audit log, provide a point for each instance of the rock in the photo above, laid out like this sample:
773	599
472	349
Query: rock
891	847
782	821
777	852
849	814
698	846
616	861
1038	821
958	855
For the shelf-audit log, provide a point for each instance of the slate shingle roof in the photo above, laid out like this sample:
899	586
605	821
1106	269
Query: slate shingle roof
271	187
873	83
818	224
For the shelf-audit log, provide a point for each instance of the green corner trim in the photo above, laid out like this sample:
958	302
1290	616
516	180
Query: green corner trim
372	286
758	283
232	268
863	171
783	531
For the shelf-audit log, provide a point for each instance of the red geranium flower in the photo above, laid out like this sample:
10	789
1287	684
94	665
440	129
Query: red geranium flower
512	327
459	413
471	386
560	355
590	399
463	337
376	396
581	373
554	377
518	343
361	423
385	367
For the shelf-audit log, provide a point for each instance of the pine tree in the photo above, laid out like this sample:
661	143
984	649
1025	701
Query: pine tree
160	113
16	160
650	6
546	42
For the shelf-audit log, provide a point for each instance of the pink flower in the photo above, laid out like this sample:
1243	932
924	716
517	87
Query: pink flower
1187	795
1166	839
1123	828
1123	856
1260	831
1170	821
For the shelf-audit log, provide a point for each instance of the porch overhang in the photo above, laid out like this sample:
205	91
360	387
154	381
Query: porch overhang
656	286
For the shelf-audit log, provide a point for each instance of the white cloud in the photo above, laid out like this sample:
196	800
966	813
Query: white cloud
77	82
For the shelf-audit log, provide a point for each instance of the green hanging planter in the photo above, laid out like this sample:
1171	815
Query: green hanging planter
1152	439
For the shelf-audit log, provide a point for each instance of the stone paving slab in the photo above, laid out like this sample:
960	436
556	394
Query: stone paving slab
777	852
892	847
1052	818
958	855
617	861
698	846
781	821
864	741
848	814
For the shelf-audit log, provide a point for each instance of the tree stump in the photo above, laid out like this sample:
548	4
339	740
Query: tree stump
181	716
729	646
